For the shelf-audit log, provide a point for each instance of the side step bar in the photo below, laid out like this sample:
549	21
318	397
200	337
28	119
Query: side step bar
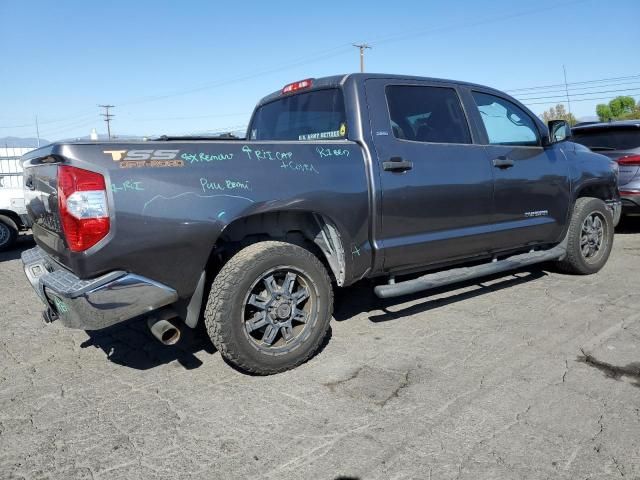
455	275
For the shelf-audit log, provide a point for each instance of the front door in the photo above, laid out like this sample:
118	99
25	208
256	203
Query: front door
436	185
532	189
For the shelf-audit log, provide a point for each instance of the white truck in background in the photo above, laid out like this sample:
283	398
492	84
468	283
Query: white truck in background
13	215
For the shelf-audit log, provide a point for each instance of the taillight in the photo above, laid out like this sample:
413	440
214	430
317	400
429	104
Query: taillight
301	85
82	201
631	160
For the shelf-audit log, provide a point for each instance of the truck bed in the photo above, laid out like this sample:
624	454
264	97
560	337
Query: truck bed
170	200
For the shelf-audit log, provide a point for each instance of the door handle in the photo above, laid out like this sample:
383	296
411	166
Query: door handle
503	162
397	164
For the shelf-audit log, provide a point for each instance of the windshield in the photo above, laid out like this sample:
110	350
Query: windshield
315	115
613	139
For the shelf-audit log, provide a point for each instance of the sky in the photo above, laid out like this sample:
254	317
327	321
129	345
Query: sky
191	66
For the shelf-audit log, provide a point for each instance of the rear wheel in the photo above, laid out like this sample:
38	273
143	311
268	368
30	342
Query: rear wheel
8	233
269	307
590	237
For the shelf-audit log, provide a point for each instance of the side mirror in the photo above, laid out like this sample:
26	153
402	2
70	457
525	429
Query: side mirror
559	131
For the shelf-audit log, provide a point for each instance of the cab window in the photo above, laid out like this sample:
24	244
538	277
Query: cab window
505	122
427	114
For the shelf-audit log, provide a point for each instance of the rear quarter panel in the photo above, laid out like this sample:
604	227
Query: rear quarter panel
167	216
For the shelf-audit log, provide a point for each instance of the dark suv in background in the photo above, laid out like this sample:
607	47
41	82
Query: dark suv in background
620	141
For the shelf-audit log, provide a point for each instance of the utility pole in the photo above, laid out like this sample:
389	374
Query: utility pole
566	89
362	47
37	131
107	117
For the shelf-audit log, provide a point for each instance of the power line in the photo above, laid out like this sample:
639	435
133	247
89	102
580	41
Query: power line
343	49
613	79
460	25
80	114
107	117
336	52
329	53
194	117
579	94
339	50
72	126
573	89
67	124
574	100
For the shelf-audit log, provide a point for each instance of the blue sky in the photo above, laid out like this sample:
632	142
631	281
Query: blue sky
193	66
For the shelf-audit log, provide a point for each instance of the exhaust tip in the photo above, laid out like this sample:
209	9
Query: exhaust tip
171	336
164	331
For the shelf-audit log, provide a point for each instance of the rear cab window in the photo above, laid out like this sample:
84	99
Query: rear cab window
427	114
313	115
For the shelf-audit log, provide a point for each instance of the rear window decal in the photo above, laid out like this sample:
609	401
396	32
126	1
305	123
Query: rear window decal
320	135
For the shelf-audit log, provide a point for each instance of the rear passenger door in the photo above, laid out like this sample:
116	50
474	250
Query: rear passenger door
532	188
436	185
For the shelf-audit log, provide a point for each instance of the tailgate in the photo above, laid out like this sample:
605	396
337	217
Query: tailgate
41	202
42	194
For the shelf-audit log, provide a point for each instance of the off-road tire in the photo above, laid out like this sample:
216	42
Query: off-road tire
225	310
8	233
575	261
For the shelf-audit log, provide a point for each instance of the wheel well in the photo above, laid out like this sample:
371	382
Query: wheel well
13	216
310	230
601	191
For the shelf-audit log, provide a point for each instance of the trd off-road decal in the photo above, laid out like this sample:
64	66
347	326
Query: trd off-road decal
145	158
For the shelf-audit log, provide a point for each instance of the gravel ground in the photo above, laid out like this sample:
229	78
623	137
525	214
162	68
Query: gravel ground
532	375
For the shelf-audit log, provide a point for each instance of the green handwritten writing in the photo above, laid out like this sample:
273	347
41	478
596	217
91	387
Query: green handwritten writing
202	157
299	167
60	305
222	185
127	186
332	152
258	154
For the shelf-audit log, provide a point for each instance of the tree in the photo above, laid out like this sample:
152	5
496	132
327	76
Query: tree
604	112
558	113
620	108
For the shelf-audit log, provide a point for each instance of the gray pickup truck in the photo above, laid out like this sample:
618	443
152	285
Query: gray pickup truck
339	179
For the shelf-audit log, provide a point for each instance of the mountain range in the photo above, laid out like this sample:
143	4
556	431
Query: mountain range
21	142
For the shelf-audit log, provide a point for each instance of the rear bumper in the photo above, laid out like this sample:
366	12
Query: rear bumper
96	303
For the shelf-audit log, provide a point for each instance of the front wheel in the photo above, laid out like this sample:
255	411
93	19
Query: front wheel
269	307
590	237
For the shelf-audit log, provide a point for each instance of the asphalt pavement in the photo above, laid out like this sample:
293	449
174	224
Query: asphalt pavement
532	375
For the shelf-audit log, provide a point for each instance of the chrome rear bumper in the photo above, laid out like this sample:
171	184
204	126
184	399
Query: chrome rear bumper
95	303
